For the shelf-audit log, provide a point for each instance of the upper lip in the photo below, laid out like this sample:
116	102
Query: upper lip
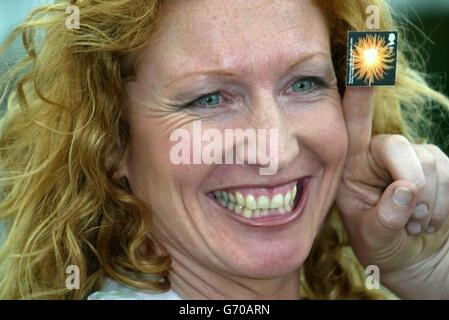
273	182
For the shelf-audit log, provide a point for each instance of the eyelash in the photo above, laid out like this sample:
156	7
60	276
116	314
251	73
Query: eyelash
317	84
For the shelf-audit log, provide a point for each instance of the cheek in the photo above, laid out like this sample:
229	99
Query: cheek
323	131
154	169
333	136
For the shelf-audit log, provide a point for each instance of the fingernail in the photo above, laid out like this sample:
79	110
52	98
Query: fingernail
414	227
402	196
421	211
430	230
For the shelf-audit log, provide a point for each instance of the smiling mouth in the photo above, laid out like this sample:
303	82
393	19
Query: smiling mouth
260	203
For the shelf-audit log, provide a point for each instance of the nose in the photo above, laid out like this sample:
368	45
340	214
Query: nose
267	116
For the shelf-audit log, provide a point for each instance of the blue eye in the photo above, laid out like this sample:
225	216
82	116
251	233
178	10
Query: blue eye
211	99
303	85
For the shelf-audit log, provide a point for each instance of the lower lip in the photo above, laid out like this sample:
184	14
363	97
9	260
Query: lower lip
274	220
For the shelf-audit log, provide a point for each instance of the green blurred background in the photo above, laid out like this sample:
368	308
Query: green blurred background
430	16
429	30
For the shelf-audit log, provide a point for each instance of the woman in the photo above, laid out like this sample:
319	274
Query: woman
88	180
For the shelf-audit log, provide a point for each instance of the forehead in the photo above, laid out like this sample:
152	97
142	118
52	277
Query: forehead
236	34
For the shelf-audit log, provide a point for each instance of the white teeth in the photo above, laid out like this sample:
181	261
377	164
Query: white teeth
263	202
247	213
277	201
287	198
250	202
238	209
250	207
240	199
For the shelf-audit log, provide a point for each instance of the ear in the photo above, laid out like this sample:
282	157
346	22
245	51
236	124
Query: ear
121	169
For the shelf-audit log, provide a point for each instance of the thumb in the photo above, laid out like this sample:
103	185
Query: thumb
387	220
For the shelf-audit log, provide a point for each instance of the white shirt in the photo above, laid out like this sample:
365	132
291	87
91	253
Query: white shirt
113	290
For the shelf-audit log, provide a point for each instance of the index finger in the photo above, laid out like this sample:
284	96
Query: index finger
358	110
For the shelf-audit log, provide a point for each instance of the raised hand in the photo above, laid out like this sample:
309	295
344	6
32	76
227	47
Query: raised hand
394	200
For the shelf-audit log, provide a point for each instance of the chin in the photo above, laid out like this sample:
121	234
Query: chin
273	261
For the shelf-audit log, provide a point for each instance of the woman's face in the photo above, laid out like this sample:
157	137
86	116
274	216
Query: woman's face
261	64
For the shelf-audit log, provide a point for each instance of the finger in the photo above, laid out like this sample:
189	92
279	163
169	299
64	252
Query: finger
358	106
421	216
391	214
396	155
441	209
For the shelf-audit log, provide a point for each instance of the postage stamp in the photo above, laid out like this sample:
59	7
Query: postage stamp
371	58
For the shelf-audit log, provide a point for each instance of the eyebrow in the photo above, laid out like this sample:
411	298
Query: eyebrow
228	73
309	56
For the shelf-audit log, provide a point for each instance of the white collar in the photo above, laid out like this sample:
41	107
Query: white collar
113	290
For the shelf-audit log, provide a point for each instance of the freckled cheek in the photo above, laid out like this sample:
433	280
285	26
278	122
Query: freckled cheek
156	179
167	154
335	138
327	135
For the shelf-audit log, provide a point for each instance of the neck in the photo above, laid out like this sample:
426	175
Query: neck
191	281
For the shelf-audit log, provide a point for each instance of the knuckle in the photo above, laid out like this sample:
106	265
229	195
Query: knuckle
441	163
395	140
440	157
433	148
426	157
